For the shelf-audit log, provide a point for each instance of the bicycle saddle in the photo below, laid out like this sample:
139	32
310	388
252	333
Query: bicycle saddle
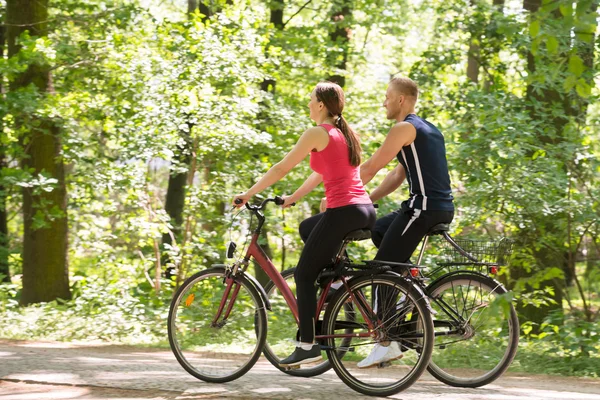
360	234
438	229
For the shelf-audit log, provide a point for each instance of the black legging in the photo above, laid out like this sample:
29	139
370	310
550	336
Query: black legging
324	234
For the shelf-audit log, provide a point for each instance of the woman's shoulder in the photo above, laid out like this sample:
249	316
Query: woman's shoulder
319	131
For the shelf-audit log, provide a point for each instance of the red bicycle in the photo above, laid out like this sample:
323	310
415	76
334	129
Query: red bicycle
218	320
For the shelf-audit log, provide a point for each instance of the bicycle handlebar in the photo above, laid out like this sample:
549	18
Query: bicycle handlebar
277	200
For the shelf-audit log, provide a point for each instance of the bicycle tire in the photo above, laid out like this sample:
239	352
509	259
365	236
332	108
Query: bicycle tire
187	341
455	371
414	302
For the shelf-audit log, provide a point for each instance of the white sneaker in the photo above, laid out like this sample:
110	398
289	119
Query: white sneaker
381	354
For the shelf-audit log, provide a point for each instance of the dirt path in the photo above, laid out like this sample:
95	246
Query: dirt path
47	370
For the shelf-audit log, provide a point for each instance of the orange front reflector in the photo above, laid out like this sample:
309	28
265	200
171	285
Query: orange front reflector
493	269
414	272
189	299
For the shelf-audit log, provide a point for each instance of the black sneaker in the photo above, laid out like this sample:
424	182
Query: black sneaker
301	356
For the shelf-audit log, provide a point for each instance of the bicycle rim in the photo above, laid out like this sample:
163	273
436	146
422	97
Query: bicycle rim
407	322
221	351
484	342
283	330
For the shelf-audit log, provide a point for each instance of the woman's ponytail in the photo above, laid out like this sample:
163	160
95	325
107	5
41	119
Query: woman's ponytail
354	148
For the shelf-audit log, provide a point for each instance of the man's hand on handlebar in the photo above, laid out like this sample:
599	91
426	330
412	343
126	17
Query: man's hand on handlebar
323	206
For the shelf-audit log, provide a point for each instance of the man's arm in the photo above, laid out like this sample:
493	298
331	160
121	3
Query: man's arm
391	182
402	134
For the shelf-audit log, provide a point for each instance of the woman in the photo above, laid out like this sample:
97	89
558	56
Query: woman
334	151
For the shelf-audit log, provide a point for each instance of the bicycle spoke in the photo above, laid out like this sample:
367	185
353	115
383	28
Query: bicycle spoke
212	345
398	324
484	343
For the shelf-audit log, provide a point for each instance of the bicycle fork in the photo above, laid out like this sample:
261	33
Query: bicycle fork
236	289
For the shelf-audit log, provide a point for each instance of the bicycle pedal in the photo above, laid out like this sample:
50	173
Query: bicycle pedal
291	368
384	364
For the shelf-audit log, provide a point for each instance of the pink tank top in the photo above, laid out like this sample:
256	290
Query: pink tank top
342	181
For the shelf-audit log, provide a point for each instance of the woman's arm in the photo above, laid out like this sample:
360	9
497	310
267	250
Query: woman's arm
313	138
309	184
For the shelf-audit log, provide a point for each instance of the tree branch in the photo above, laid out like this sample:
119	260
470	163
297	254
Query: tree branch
296	13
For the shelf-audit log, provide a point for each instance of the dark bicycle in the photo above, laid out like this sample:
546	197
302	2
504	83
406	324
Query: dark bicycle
218	320
476	325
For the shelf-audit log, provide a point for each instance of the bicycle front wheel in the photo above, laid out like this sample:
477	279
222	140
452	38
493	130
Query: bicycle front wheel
217	326
477	330
407	321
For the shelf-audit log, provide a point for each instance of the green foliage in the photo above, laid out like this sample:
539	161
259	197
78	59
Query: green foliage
102	310
573	345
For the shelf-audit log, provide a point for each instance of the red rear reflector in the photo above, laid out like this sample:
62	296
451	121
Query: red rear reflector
414	272
494	269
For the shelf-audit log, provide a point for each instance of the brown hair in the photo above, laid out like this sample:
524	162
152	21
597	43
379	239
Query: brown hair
406	86
332	96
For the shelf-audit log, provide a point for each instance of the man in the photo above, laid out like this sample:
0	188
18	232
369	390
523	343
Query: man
419	147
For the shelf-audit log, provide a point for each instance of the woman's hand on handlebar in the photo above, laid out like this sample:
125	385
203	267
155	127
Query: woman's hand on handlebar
288	201
240	199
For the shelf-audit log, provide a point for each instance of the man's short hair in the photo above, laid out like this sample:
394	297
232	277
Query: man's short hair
406	86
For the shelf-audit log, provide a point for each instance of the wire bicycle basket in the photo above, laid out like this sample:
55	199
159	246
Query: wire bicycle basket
487	252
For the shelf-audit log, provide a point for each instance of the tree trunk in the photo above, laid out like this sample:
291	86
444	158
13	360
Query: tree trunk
472	63
473	56
4	252
45	266
499	6
175	199
276	13
276	18
192	5
340	35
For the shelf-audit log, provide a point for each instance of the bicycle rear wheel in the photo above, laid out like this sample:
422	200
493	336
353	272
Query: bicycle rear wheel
477	330
221	350
409	324
283	329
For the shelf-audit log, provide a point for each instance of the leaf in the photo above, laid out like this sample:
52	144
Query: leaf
566	9
583	88
534	28
552	45
569	83
576	65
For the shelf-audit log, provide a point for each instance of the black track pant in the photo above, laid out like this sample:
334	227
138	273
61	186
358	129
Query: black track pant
323	235
397	235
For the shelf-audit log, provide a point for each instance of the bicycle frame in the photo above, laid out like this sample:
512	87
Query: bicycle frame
256	252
